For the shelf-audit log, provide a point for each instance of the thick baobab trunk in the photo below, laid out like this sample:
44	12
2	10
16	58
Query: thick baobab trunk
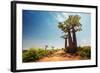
65	43
74	41
69	39
70	48
74	38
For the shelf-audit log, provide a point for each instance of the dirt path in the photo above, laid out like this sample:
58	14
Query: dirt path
59	56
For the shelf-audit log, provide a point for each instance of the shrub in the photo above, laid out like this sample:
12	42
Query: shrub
30	56
34	54
85	52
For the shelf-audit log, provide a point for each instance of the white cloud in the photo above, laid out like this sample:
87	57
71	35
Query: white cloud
85	43
60	17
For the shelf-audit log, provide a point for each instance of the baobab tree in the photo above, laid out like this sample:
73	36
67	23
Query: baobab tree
66	38
66	29
75	25
71	26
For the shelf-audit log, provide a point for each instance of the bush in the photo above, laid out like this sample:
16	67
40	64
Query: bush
33	54
85	52
30	56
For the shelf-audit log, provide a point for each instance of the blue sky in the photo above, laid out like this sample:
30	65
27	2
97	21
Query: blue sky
40	28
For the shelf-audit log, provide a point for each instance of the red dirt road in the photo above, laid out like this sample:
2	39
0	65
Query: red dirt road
59	56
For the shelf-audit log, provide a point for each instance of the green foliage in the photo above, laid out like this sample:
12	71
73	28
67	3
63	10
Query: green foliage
63	26
72	21
33	54
84	52
29	55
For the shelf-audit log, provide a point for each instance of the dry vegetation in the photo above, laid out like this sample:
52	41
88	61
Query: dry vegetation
39	55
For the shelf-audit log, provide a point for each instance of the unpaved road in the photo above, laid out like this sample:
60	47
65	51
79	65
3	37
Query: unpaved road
59	56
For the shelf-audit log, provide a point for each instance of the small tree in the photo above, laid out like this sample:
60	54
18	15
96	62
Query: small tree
46	46
65	37
52	47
